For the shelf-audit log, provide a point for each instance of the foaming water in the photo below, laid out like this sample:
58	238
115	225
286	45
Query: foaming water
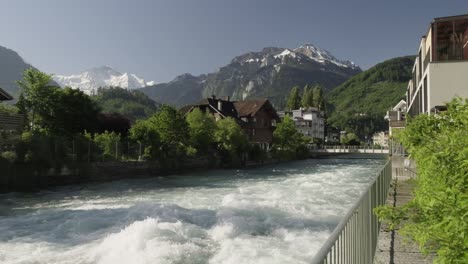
275	214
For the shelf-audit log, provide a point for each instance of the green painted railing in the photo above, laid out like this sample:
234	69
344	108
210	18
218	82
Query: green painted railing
354	239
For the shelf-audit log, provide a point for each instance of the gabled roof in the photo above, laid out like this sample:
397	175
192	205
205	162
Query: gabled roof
227	109
236	109
186	109
249	108
401	105
4	96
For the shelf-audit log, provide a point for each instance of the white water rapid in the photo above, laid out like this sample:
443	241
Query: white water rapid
274	214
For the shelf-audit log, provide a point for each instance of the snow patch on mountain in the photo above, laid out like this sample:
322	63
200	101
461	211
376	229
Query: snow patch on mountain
90	80
322	56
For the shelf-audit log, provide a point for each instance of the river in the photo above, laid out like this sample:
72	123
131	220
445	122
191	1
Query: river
275	214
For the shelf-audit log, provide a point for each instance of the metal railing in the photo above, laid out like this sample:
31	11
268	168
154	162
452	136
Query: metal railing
354	240
351	149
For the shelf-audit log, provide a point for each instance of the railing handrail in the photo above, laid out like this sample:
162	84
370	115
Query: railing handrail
327	246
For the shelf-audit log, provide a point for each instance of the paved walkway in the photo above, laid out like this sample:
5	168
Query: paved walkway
390	248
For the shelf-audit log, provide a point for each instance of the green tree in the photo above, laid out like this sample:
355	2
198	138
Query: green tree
202	127
437	216
350	139
294	99
37	96
288	143
172	129
131	103
73	112
146	134
57	111
318	99
307	97
231	138
108	143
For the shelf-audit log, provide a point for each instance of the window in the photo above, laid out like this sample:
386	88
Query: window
451	40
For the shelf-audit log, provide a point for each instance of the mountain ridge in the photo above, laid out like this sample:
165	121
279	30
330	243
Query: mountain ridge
270	73
103	76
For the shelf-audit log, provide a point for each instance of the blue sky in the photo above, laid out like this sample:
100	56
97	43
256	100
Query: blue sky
159	40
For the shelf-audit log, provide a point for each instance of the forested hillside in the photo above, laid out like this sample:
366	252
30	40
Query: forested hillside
130	103
359	104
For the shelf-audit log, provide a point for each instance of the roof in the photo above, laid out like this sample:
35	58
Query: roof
184	110
450	18
246	108
236	109
227	107
401	105
4	96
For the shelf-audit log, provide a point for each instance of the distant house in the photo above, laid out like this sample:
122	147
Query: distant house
257	117
9	122
396	117
309	121
4	96
380	139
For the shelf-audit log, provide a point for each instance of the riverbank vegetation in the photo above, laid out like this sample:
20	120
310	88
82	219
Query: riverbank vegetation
64	126
437	217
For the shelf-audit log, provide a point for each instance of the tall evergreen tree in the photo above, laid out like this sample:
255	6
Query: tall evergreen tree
318	99
307	97
294	100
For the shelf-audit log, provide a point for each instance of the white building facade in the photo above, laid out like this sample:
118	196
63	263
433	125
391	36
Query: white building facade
440	71
310	122
396	117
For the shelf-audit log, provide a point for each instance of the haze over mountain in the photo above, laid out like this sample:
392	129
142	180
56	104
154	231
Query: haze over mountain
104	76
12	67
270	73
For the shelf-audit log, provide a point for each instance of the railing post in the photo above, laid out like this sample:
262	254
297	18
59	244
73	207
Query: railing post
354	240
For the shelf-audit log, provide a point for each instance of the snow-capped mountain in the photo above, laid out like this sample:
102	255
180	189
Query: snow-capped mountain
271	73
104	76
320	55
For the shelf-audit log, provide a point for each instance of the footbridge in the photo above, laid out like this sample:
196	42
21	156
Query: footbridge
351	149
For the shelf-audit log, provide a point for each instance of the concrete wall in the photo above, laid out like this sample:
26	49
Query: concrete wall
446	80
17	177
428	41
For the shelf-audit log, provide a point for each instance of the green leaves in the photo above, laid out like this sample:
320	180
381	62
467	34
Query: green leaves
57	111
438	212
230	136
288	143
359	104
294	99
130	103
202	127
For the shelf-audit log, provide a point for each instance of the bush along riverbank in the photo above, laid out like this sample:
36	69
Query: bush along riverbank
437	217
67	139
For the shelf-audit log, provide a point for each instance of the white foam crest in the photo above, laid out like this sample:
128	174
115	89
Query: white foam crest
151	241
270	215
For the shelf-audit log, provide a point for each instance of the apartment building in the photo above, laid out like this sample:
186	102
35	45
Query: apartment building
309	121
440	71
